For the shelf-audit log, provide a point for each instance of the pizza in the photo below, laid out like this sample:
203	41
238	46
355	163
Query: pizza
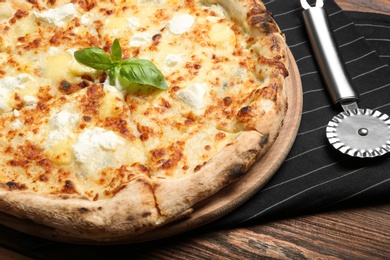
118	116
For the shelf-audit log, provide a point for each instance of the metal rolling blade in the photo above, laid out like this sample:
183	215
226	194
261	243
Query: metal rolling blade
360	133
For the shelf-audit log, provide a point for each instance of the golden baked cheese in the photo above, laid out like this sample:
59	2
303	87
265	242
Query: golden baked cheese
70	131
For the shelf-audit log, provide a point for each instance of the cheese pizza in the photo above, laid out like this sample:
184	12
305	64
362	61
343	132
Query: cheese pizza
118	116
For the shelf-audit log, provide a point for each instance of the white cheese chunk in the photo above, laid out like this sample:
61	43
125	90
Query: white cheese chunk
181	23
86	19
16	124
172	60
4	107
4	99
94	149
140	39
14	83
30	100
8	85
57	16
57	136
53	50
61	127
133	23
16	113
193	95
64	119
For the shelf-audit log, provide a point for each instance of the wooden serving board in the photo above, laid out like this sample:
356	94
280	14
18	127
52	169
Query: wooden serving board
221	203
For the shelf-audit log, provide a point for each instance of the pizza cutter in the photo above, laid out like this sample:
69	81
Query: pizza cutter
357	132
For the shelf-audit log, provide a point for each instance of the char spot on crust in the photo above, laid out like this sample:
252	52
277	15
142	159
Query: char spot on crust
15	186
143	182
69	187
275	63
236	171
264	140
12	185
44	177
256	11
244	111
64	196
65	85
283	70
227	101
83	210
146	214
87	118
266	28
261	19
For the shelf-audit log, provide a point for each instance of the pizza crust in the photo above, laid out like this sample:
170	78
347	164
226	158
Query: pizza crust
177	195
132	211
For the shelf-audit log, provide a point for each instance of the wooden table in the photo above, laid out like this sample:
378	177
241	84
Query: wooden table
373	6
355	233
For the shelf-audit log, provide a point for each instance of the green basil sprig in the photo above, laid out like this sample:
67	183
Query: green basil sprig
139	71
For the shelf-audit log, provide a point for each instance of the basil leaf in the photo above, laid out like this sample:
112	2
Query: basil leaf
113	73
116	52
142	72
94	57
131	71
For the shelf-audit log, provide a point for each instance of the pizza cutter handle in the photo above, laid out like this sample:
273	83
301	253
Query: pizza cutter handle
328	57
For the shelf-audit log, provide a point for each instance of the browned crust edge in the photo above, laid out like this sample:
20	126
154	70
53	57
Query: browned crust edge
131	211
177	195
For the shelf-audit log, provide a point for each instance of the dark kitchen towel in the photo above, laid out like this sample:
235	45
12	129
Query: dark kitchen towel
315	176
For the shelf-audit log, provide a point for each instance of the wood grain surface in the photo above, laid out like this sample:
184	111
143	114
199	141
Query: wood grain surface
361	232
373	6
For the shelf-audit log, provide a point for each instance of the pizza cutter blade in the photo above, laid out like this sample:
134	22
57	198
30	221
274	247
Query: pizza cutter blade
357	132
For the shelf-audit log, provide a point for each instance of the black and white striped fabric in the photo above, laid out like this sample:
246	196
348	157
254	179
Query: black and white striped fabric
315	176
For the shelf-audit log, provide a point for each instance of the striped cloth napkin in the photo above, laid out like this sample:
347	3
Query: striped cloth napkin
316	177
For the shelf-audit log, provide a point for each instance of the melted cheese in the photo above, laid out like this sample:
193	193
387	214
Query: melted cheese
110	107
6	12
61	153
223	37
54	66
